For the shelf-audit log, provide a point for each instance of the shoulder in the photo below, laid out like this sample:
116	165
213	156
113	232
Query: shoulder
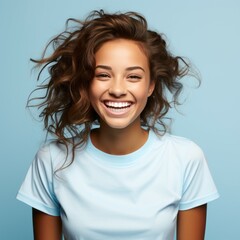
180	148
51	147
184	145
178	143
51	153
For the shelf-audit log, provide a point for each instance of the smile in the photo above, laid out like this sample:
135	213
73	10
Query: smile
117	105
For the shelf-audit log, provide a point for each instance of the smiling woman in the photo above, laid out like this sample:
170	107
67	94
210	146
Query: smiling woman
126	178
120	89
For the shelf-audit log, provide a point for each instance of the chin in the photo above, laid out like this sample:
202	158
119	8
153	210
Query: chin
121	124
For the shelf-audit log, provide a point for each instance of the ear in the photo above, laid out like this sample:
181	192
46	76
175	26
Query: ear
151	88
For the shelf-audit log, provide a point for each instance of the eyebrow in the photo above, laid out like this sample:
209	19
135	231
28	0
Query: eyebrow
128	69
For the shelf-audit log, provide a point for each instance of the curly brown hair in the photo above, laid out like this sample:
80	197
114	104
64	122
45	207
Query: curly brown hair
66	109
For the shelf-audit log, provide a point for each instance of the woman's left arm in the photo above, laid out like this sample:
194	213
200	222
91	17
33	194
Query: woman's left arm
191	223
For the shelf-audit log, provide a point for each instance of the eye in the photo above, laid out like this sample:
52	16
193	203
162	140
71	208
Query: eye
102	76
134	77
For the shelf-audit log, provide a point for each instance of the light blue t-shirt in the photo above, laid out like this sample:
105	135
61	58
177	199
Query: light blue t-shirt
129	197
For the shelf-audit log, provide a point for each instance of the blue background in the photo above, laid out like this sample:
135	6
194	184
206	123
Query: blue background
206	31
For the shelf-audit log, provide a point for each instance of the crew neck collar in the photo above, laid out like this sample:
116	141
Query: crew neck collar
119	160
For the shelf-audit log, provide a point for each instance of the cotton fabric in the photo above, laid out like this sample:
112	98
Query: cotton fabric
133	197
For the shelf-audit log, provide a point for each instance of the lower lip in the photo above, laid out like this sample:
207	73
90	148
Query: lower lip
117	112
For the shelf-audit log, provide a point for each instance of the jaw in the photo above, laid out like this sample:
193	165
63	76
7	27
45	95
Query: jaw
120	119
120	126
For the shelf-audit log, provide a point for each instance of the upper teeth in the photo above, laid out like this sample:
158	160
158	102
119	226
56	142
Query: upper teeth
118	104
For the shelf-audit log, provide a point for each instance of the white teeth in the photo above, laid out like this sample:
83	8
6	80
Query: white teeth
117	104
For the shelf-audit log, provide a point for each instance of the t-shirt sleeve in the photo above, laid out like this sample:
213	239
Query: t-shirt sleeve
37	189
198	185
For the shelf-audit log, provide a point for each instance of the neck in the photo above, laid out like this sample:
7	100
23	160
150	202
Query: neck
119	141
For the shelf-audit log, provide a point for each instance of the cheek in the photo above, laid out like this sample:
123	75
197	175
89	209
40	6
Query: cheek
98	88
140	92
92	95
94	90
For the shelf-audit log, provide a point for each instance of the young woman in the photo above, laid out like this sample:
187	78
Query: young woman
113	171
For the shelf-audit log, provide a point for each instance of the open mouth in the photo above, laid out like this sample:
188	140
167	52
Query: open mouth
117	105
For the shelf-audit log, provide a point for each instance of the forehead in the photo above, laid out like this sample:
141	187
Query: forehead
122	50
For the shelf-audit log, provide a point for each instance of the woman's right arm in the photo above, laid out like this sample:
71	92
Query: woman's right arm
46	226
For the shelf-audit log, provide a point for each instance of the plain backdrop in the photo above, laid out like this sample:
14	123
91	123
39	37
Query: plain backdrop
206	31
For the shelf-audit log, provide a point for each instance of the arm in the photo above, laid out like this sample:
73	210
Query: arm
46	226
191	223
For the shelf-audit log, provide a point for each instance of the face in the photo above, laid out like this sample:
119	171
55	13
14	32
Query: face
121	84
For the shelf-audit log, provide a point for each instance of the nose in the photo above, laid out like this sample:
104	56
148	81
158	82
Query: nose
117	88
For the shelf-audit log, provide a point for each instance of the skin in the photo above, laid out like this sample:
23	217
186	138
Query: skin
126	82
46	226
191	223
124	85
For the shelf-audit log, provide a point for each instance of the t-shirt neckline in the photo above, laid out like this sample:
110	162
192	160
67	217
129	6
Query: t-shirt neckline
119	160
